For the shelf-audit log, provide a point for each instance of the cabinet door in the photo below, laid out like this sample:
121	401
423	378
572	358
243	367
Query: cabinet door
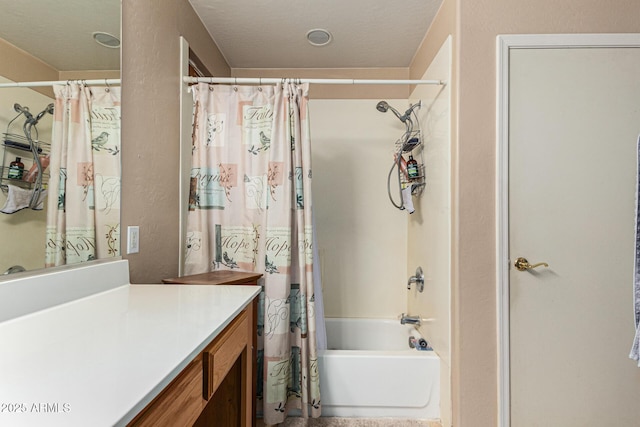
223	353
179	404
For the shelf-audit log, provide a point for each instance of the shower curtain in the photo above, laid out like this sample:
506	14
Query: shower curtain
250	210
83	211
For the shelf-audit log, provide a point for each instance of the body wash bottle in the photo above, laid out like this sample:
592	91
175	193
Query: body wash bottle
412	168
16	169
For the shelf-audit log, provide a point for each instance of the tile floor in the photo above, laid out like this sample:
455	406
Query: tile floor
353	422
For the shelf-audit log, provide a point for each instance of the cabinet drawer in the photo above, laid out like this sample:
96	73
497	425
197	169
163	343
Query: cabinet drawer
179	404
220	356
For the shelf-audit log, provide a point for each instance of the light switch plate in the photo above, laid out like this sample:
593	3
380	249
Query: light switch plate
133	239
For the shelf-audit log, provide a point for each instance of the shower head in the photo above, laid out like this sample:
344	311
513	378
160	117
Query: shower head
383	107
48	109
30	119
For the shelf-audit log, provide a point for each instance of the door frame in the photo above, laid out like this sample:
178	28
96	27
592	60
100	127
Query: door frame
504	44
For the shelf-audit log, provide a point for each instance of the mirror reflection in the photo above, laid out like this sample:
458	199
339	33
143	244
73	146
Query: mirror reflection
56	41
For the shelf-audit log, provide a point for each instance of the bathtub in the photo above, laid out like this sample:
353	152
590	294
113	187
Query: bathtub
369	371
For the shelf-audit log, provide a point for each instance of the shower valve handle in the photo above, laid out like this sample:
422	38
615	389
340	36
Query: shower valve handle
418	279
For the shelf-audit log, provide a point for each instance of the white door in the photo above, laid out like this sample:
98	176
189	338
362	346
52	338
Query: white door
574	120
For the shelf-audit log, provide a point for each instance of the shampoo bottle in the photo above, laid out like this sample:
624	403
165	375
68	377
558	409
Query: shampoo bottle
16	169
412	168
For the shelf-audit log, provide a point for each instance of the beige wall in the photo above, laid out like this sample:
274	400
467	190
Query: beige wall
340	91
20	66
89	74
151	126
480	21
361	236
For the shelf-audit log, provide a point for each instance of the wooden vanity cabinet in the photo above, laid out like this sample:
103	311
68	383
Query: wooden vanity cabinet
228	277
221	277
216	388
179	404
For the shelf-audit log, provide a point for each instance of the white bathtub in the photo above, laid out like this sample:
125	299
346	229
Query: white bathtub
369	370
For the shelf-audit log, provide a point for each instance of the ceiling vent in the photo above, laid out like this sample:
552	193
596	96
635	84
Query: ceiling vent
319	37
106	40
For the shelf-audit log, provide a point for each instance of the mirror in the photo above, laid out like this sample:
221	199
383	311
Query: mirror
44	41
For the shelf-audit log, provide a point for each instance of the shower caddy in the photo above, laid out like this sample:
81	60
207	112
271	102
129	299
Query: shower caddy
409	142
404	146
19	145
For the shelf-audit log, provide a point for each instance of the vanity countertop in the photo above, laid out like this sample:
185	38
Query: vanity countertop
100	359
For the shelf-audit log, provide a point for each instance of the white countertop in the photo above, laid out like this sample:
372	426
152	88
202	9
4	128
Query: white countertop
100	359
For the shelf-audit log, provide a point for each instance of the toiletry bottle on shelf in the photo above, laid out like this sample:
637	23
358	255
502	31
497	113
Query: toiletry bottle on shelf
16	169
412	168
403	165
32	174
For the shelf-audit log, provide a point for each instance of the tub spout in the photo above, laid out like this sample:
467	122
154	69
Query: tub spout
410	320
14	269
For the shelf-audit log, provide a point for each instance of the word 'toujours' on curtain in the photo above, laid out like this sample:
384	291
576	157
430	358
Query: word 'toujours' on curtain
83	210
250	209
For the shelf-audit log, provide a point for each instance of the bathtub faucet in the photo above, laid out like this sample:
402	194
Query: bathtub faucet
14	269
410	320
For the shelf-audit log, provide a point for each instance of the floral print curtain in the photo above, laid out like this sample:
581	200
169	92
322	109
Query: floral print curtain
83	211
250	210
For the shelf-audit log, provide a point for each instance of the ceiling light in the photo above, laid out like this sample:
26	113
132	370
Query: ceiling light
106	40
319	37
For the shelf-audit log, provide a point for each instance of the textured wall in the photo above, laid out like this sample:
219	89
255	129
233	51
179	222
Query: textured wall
151	126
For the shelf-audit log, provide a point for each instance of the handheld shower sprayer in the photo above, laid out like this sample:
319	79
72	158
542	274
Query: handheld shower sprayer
30	119
383	107
48	109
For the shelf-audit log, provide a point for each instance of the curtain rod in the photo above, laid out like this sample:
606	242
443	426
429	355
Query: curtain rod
259	81
105	82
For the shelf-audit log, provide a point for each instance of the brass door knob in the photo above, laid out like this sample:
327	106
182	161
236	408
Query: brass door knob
521	264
